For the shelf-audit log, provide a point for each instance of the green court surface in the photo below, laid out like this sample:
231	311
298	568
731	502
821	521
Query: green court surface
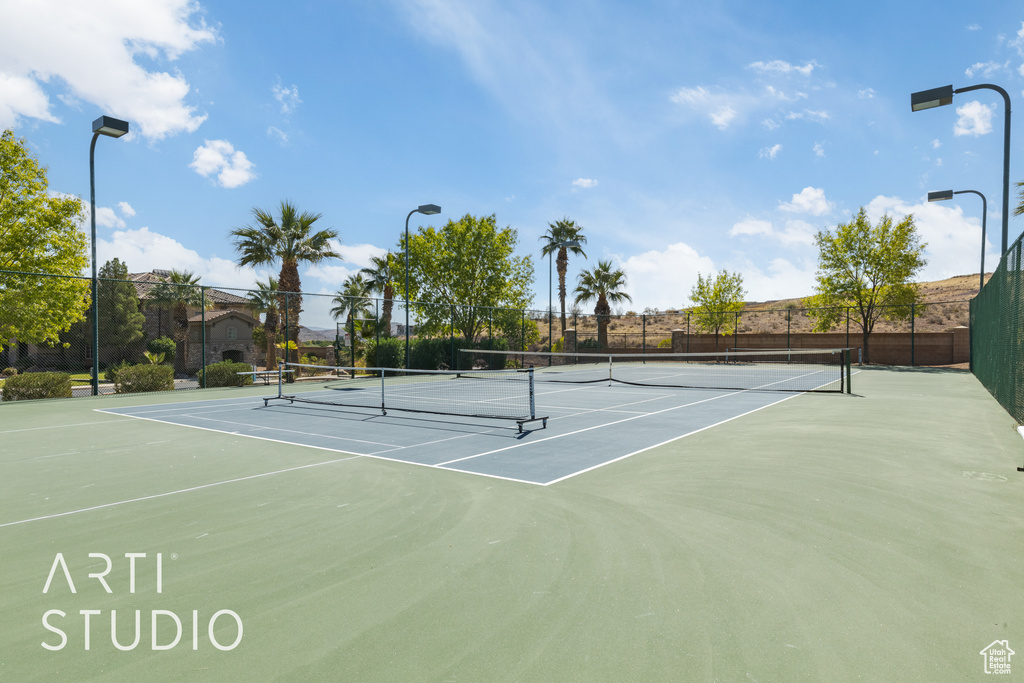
874	536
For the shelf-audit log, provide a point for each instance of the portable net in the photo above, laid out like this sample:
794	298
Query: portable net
783	370
492	394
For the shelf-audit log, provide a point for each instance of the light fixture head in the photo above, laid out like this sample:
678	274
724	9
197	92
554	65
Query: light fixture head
109	126
936	97
429	209
939	196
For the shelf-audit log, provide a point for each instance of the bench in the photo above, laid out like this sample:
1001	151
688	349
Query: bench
265	375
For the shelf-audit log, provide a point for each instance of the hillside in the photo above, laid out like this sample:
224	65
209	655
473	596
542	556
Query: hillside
945	307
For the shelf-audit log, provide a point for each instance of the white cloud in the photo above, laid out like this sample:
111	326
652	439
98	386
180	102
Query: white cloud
87	57
231	166
781	280
984	69
975	119
809	200
143	250
953	240
663	279
287	97
866	93
126	209
936	144
796	233
277	134
819	149
751	226
720	108
106	218
769	152
584	183
783	67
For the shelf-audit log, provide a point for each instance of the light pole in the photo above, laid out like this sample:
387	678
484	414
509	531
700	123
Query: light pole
551	306
948	194
937	97
426	210
114	128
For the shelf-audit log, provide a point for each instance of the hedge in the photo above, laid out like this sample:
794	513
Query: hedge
225	374
138	379
35	385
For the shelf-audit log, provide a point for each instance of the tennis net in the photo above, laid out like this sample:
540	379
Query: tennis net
786	370
494	394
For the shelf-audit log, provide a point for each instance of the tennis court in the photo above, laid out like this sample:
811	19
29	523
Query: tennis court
749	535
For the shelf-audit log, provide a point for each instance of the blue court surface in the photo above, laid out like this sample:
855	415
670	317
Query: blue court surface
588	426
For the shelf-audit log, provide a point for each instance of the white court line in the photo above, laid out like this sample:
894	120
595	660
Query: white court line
286	431
668	441
80	424
173	493
588	429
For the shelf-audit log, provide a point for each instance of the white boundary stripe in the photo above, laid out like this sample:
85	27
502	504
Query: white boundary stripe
588	429
173	493
80	424
668	441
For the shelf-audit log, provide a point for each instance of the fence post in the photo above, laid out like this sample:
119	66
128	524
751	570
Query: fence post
202	293
913	310
688	331
736	332
643	338
847	327
789	316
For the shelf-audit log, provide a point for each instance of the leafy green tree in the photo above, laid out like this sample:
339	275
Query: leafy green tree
121	322
382	279
603	285
717	302
265	300
869	270
470	263
39	233
289	240
179	293
559	233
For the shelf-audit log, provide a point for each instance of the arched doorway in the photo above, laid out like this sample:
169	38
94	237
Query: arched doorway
233	355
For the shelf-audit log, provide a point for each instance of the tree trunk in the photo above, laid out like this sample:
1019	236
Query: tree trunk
270	330
563	265
603	314
385	318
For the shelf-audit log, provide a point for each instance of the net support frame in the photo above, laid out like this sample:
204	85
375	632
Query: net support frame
521	420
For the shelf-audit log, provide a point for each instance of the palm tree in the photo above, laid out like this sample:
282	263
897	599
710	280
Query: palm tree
559	233
264	300
352	301
289	239
605	285
381	280
179	292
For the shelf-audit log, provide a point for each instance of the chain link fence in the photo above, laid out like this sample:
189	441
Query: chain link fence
997	341
156	334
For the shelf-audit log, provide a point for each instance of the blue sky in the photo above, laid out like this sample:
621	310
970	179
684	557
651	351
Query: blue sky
684	137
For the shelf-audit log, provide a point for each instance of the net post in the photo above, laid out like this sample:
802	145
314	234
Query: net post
533	405
849	373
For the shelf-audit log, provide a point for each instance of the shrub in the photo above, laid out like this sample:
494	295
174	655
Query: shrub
225	374
111	372
164	345
665	344
388	352
559	345
35	385
589	343
430	354
137	379
9	372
